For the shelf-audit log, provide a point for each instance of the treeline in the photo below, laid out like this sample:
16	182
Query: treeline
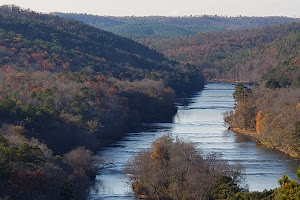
158	27
142	30
174	169
67	89
272	113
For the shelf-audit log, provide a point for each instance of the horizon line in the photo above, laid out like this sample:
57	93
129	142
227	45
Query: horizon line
158	15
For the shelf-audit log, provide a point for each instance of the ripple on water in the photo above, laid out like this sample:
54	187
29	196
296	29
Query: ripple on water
200	122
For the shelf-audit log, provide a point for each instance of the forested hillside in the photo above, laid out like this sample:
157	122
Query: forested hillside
66	87
223	55
158	27
269	57
272	109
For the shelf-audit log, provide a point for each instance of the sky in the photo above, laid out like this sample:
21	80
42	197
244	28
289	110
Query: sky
289	8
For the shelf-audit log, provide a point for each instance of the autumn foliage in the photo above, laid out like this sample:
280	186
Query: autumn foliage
67	89
259	119
174	169
273	115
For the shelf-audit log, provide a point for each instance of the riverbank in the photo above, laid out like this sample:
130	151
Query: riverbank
263	142
228	81
200	121
270	112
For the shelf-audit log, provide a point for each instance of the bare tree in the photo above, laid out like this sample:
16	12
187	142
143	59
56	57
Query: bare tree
175	169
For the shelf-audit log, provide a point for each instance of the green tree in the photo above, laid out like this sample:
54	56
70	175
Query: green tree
272	83
66	192
7	106
30	154
241	92
296	134
289	189
224	188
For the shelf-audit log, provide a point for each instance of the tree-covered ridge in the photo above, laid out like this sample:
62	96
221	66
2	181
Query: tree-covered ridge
140	31
275	65
168	27
232	55
62	40
80	45
47	42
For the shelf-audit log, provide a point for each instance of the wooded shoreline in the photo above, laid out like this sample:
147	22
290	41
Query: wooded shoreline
261	141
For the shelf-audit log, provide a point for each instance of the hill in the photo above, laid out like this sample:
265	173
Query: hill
57	44
158	27
269	57
66	42
67	87
142	30
221	55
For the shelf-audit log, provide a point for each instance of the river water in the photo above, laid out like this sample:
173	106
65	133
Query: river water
201	122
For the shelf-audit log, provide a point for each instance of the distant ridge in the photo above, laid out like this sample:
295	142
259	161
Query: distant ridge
168	27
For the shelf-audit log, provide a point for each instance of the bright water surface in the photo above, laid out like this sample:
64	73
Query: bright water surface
200	122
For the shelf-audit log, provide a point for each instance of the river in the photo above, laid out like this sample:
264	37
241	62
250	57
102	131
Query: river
201	122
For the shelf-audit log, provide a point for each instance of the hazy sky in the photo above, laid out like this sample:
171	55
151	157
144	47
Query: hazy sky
165	7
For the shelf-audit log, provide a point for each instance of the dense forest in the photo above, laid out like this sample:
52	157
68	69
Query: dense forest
67	89
158	27
231	55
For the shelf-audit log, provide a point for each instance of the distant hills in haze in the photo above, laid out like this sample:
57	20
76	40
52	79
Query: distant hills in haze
167	27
